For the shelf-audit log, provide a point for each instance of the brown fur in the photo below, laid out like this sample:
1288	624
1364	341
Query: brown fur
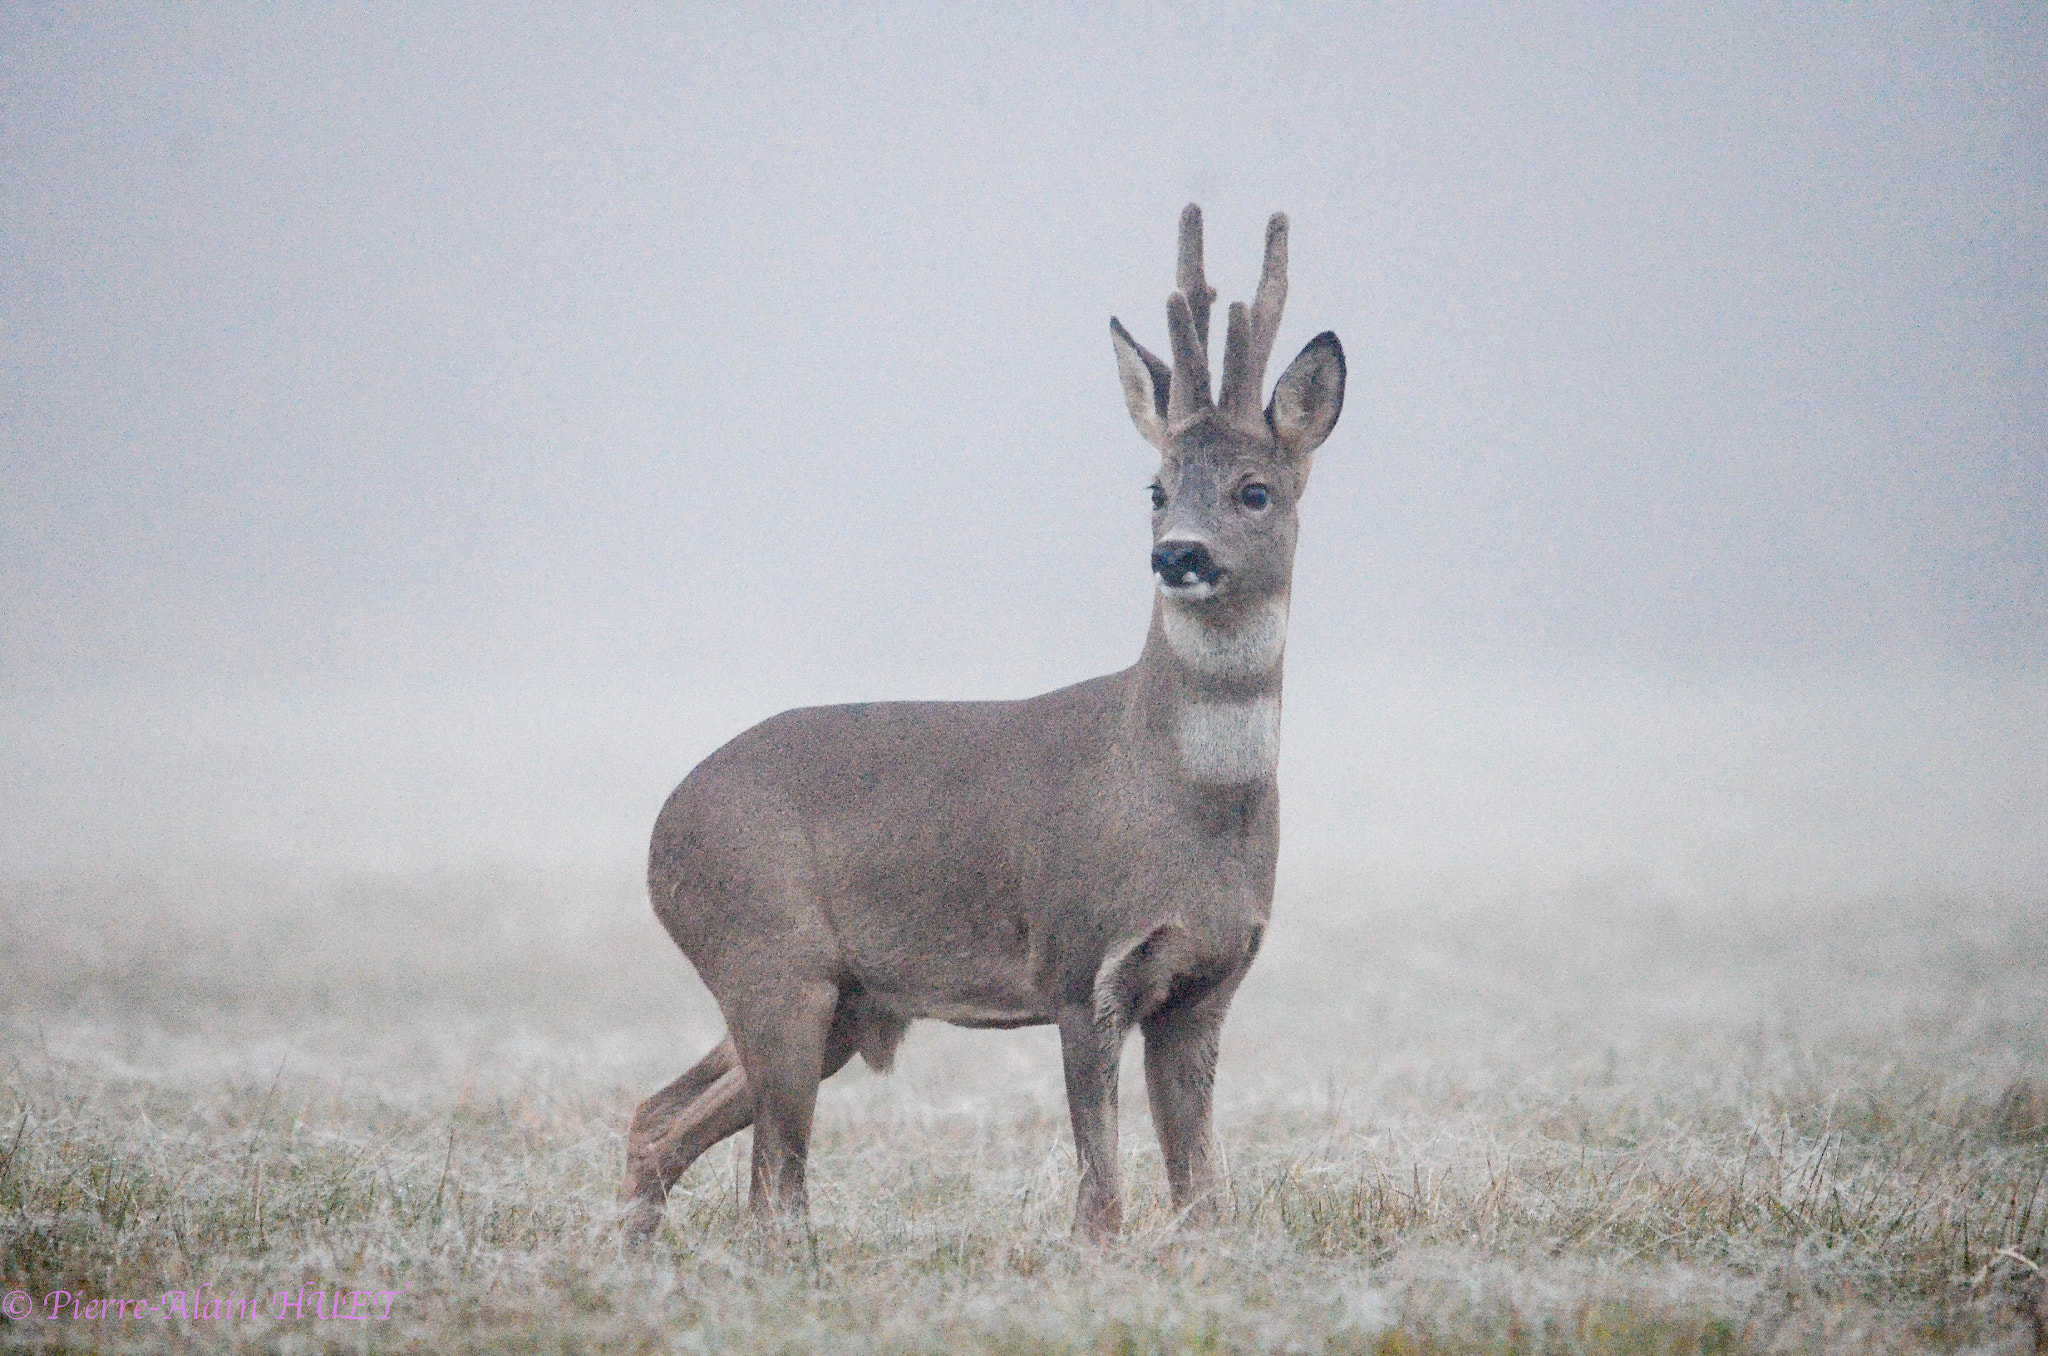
1077	858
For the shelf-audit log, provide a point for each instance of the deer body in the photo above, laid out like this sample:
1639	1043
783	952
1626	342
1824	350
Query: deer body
1098	858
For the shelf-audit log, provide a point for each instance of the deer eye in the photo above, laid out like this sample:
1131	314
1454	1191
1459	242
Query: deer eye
1254	496
1158	497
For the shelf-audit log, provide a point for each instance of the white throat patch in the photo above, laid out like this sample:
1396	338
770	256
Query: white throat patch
1244	651
1229	743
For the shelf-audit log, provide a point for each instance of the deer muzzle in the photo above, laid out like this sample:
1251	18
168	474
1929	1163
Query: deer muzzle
1185	566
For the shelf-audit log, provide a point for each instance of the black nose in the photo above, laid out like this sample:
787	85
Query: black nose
1174	561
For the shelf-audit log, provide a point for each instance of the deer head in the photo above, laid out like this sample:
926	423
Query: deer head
1231	471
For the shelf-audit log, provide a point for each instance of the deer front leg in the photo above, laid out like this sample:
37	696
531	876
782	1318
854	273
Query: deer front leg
1180	1075
1089	1052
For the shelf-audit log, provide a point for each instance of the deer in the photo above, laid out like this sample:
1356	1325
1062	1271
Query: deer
1098	858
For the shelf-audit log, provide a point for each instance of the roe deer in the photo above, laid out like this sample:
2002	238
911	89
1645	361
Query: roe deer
1099	857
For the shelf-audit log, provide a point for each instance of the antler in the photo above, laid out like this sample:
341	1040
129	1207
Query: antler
1189	394
1188	277
1187	326
1249	342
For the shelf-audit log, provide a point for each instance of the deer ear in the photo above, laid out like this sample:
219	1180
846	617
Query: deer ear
1309	396
1145	381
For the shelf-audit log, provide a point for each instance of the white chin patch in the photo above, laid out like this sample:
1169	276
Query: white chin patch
1248	649
1229	743
1190	589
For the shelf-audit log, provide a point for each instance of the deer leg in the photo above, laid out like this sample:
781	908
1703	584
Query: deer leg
655	1115
1089	1051
673	1128
1180	1073
784	1043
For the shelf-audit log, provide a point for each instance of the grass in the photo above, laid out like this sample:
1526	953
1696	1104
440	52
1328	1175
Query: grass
1592	1124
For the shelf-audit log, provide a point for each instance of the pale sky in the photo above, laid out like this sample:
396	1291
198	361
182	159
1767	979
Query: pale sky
435	341
695	347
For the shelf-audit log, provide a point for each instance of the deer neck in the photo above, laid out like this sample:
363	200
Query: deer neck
1209	691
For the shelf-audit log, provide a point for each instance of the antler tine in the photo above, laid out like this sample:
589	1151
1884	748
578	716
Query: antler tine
1241	394
1189	394
1240	388
1188	277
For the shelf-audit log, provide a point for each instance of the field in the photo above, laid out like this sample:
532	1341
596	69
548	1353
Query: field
1579	1123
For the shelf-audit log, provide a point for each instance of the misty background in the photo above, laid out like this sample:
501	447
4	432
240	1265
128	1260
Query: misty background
426	432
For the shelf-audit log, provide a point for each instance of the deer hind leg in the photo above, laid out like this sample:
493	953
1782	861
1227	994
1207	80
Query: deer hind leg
673	1128
786	1045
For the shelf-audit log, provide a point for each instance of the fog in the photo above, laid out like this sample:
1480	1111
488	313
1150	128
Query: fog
424	434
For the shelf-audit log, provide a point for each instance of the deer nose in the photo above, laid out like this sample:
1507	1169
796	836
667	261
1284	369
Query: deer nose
1181	563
